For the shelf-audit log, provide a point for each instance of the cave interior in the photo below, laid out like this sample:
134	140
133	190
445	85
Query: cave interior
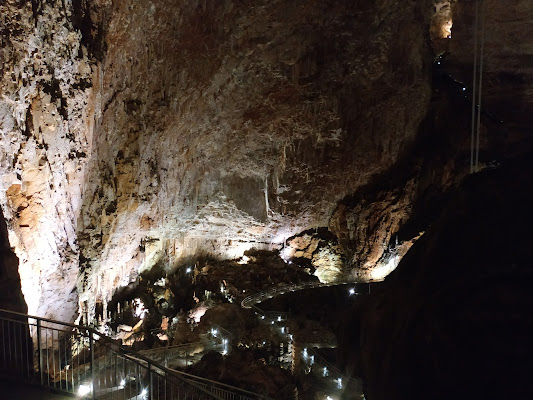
316	200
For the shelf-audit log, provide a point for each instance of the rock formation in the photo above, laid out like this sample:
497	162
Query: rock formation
453	320
138	132
142	134
11	297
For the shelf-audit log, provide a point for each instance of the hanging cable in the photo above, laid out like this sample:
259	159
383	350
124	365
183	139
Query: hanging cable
481	60
474	93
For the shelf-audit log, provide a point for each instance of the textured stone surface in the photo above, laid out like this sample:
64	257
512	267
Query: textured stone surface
45	123
140	133
318	252
453	320
508	70
11	297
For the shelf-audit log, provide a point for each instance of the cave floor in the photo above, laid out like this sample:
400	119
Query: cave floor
14	390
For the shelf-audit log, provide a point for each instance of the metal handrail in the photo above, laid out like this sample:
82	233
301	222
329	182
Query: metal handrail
161	383
254	299
171	348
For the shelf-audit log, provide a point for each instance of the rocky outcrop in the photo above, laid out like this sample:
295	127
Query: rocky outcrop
11	297
318	252
210	138
46	119
454	319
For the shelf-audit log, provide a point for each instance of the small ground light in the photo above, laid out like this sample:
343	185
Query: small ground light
339	383
279	319
188	270
144	393
351	291
122	383
325	371
84	390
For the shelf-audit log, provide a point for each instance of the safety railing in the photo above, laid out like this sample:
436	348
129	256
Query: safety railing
84	362
180	354
259	297
313	361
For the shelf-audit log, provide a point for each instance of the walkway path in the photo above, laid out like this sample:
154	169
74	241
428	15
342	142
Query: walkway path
12	390
314	362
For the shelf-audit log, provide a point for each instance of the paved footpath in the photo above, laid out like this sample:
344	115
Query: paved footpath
13	390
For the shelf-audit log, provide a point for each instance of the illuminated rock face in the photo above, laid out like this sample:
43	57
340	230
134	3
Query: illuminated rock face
142	133
455	314
138	133
46	123
223	127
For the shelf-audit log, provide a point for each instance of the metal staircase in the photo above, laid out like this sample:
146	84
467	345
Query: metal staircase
84	362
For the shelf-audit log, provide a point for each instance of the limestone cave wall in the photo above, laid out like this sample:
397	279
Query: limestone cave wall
141	132
138	134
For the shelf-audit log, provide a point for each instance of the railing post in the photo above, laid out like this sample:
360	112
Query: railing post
39	352
151	384
91	350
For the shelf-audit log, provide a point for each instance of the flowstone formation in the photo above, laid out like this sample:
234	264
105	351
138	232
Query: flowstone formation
142	133
46	121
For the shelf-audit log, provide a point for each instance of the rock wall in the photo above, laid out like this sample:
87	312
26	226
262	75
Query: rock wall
137	133
453	320
11	297
508	71
223	126
403	201
46	121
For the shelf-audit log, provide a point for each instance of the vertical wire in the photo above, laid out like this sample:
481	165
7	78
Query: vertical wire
474	93
482	52
65	362
105	366
59	359
4	363
27	339
53	358
9	343
20	348
71	341
47	362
